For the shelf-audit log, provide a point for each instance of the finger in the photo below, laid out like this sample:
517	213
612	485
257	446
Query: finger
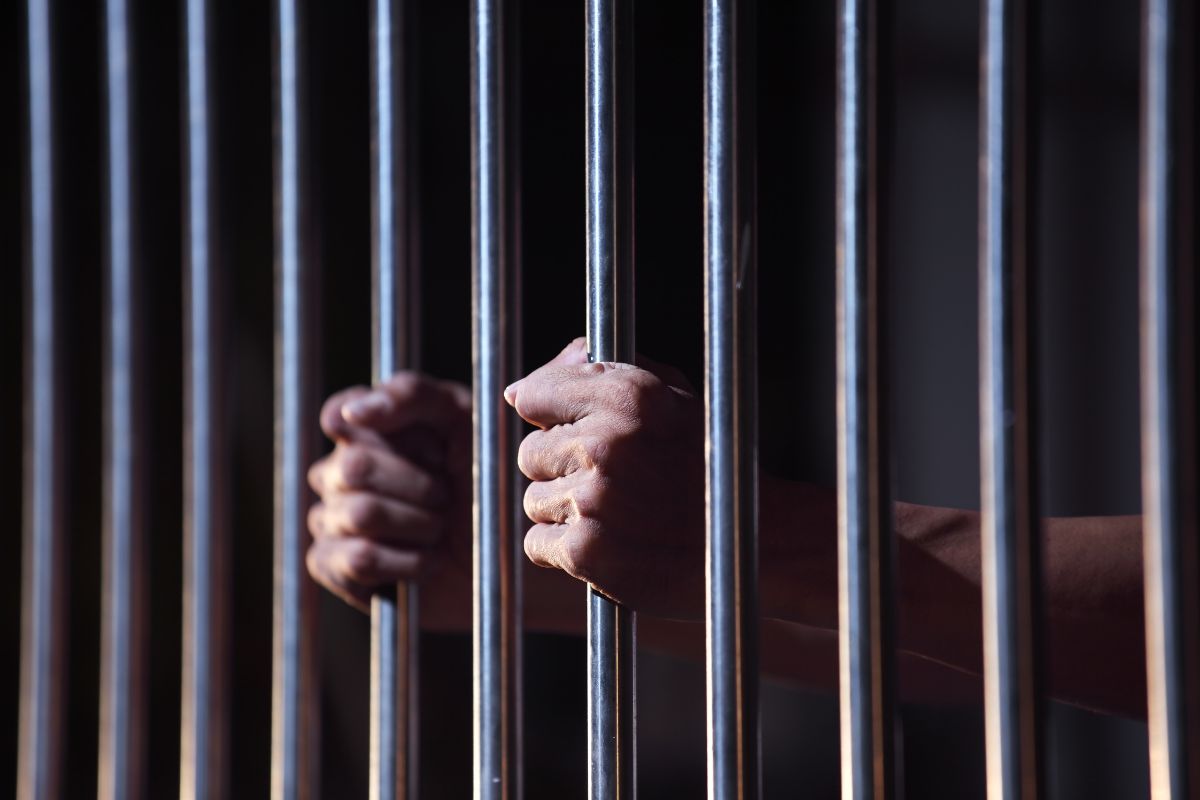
541	543
365	515
572	548
334	423
551	501
557	394
354	569
317	474
407	399
355	468
561	450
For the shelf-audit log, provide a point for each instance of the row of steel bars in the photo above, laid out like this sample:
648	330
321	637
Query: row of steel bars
1010	543
1170	302
395	621
611	631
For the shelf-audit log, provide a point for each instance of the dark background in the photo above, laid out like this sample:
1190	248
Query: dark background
1087	287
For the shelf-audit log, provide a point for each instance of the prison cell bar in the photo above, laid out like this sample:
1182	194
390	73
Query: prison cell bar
611	629
865	538
40	756
515	598
395	619
123	709
730	399
1169	394
294	710
1008	486
493	553
204	715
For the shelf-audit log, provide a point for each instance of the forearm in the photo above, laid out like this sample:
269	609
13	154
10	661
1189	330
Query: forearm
1091	603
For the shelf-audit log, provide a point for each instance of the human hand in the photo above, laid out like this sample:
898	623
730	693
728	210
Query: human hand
396	495
617	471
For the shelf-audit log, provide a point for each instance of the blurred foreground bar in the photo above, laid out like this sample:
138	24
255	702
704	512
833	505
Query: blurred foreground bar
205	716
123	676
43	622
1170	367
295	721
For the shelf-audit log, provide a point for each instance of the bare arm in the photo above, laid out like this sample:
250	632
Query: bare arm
616	500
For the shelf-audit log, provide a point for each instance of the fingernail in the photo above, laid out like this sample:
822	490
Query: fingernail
510	393
365	407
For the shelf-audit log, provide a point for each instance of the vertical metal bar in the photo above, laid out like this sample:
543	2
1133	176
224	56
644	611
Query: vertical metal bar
204	717
493	565
294	723
866	650
122	665
730	403
43	622
611	632
395	621
1170	461
515	600
1010	543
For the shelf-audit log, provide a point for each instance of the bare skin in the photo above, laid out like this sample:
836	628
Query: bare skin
617	500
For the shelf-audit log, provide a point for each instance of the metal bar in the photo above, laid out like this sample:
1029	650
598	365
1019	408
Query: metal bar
1010	543
493	564
611	631
294	710
1170	461
730	404
865	558
515	600
43	624
122	767
205	713
395	620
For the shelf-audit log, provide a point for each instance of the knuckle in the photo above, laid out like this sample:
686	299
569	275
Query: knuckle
356	465
586	501
527	453
593	451
363	513
316	518
579	553
360	561
314	562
